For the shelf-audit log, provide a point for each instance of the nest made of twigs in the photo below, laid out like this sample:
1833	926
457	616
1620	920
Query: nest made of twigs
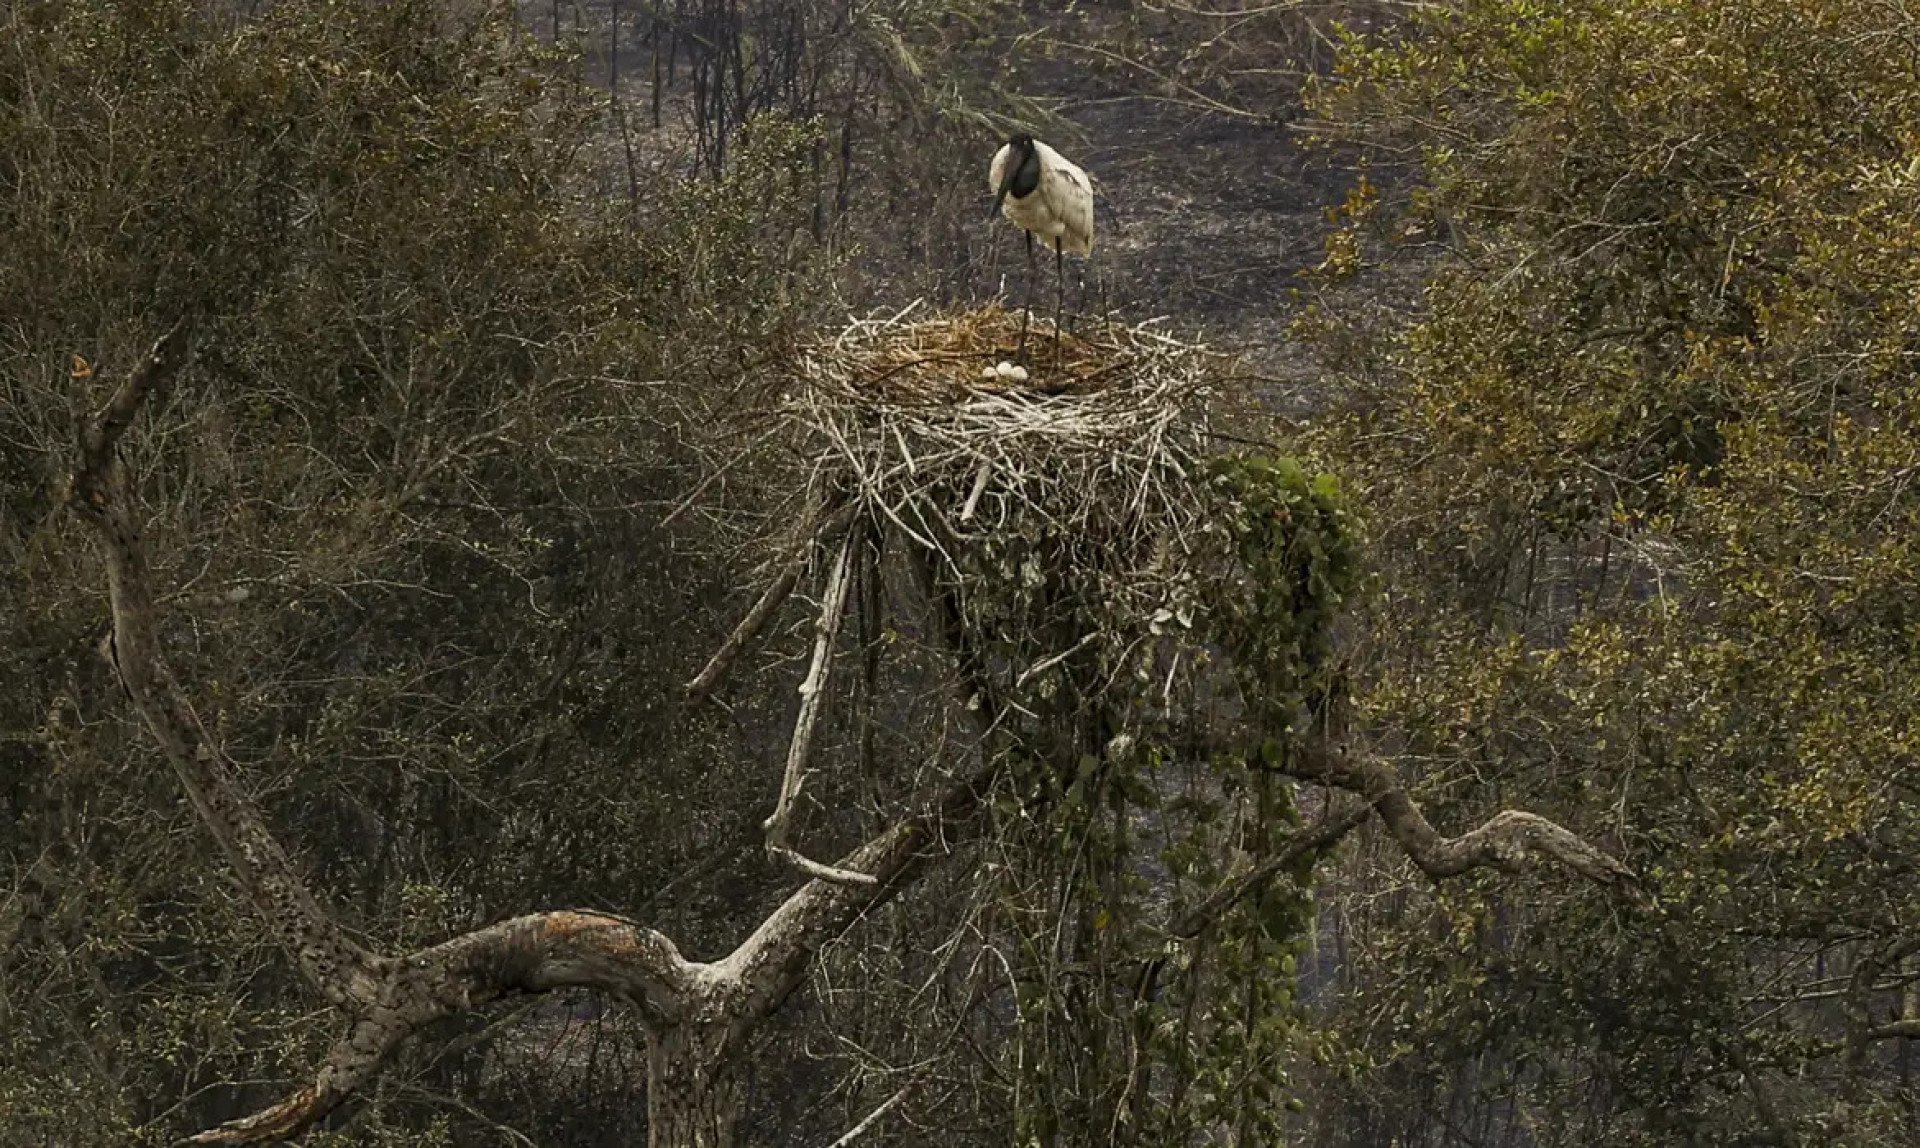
1060	528
1086	484
902	415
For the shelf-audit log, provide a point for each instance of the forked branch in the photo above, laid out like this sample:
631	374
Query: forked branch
388	999
813	700
767	605
571	949
538	953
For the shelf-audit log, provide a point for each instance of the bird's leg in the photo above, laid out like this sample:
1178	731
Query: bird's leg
1059	295
1026	317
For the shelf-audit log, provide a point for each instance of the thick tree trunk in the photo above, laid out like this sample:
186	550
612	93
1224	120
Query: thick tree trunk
693	1093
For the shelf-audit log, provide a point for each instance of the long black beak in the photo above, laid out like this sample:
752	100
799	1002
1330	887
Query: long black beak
1000	199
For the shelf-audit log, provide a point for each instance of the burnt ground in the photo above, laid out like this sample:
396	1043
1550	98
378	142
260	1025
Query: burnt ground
1209	221
1202	217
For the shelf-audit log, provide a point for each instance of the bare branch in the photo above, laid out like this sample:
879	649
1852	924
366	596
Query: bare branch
574	949
820	871
859	1130
344	972
764	608
813	698
155	373
771	961
979	488
1509	840
537	953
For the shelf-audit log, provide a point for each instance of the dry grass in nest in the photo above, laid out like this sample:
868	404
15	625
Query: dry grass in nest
942	357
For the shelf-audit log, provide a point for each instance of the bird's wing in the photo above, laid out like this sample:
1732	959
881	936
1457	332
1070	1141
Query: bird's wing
1075	208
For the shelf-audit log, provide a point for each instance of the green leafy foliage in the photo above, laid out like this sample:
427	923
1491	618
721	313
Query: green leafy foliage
1127	807
1637	461
1299	557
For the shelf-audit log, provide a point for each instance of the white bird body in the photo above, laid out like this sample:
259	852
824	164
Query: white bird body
1054	202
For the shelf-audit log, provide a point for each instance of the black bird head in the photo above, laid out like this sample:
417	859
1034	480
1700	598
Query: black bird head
1023	170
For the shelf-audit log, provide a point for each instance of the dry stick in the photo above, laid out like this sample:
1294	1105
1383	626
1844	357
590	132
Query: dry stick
1048	663
764	609
813	700
860	1129
979	488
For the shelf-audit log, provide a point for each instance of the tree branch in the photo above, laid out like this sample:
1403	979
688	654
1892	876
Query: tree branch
860	1129
570	949
351	1061
537	953
389	999
344	972
818	870
813	701
766	606
1328	833
1510	840
771	962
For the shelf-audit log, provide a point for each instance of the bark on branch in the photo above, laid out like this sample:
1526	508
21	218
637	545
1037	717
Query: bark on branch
813	702
771	962
386	999
568	949
536	953
1510	840
344	972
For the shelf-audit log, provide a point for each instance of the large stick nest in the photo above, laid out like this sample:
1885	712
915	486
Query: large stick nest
1081	488
911	419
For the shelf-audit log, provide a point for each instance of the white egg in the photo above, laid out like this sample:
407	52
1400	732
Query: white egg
1018	374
